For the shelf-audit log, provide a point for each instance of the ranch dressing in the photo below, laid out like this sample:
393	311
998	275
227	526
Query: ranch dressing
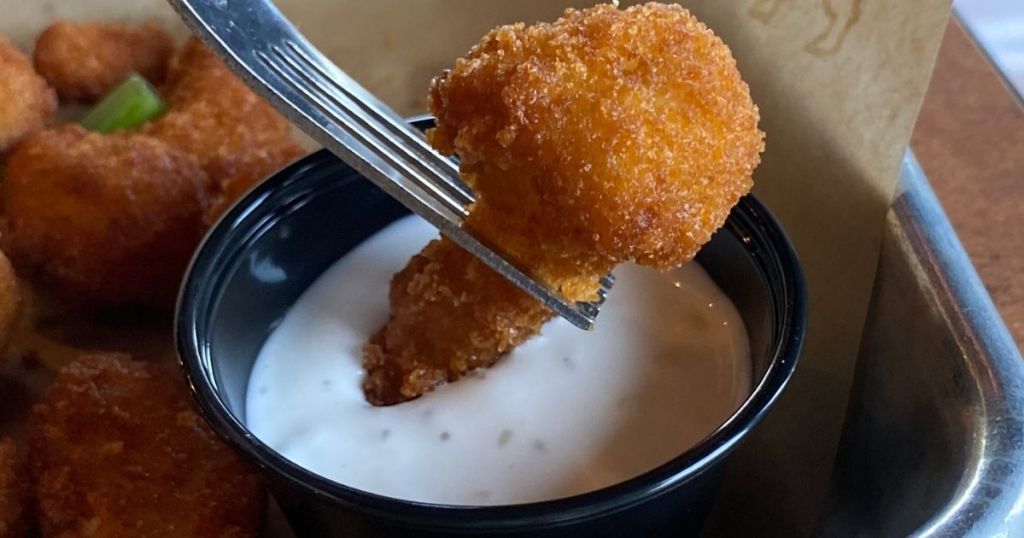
565	413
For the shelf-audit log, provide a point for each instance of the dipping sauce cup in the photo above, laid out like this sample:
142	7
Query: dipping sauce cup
275	242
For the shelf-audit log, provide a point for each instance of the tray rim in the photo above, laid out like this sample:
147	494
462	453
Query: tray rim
989	500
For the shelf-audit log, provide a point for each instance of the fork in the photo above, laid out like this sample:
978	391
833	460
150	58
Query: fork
262	47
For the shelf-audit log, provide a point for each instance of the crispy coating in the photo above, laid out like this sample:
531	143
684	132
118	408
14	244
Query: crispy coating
237	137
607	136
437	285
25	100
10	301
251	169
83	61
109	219
117	450
15	491
610	135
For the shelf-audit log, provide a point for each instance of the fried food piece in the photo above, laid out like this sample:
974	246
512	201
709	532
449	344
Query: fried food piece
237	138
114	219
110	219
610	135
436	285
15	491
25	100
607	136
249	169
84	61
117	450
10	301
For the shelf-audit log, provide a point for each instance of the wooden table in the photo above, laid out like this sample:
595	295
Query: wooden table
970	141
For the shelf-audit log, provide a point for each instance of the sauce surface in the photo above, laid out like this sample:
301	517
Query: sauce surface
566	413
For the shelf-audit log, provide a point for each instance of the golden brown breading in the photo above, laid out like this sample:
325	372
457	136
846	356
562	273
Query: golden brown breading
110	219
10	300
83	61
25	100
251	169
237	137
117	450
436	285
610	135
15	491
607	136
196	73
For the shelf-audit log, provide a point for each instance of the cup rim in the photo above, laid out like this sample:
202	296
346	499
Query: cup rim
750	217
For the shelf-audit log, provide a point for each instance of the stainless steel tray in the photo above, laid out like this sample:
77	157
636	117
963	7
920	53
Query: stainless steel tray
933	443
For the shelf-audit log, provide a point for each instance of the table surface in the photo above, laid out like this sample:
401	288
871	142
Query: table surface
998	26
969	140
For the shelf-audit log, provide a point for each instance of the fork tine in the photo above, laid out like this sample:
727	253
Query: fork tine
345	108
396	132
367	135
262	47
339	80
590	309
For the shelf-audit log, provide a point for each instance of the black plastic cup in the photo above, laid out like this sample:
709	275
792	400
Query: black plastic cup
276	241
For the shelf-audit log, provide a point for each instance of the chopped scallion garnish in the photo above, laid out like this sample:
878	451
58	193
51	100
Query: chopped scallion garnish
128	106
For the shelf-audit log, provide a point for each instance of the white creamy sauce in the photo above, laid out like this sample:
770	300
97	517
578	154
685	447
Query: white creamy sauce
566	413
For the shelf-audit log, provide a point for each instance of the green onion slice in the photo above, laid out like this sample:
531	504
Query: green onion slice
128	106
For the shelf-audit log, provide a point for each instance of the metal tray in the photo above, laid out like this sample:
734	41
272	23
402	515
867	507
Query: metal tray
933	443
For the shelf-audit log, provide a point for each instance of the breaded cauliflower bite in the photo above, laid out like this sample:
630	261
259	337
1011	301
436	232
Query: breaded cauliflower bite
10	301
26	102
113	219
607	136
15	491
109	219
117	450
236	136
83	61
475	316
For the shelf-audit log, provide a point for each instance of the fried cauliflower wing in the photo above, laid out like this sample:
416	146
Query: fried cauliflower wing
236	136
83	61
26	102
117	450
15	491
109	219
607	136
10	301
438	285
113	219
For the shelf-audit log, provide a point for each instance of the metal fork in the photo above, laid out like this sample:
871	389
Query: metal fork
260	45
